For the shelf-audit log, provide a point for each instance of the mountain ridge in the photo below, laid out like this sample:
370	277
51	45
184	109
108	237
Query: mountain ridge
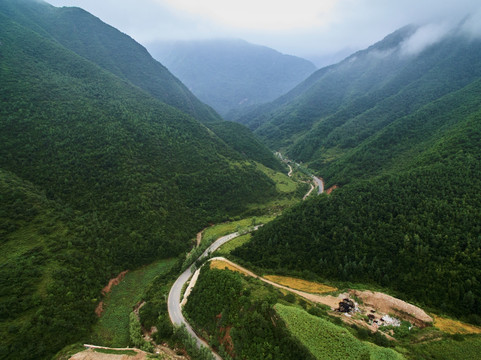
404	153
97	176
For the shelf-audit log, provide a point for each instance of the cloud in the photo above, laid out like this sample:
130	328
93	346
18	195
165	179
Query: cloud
472	25
327	30
259	14
424	37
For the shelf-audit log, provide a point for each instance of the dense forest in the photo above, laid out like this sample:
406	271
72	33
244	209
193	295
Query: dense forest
400	134
108	162
98	174
415	231
117	53
236	314
340	107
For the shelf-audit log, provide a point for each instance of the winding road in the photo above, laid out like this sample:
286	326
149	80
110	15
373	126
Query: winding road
320	184
174	300
317	183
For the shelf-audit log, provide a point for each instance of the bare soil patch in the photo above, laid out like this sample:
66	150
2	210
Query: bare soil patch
112	282
91	354
115	281
390	305
331	189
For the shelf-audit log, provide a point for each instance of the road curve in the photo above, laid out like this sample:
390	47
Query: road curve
173	302
320	184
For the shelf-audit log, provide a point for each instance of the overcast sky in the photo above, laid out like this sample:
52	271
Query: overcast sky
313	29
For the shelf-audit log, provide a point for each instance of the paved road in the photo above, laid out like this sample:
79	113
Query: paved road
173	302
320	184
290	170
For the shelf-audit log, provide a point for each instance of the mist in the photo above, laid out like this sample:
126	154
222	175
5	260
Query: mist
323	32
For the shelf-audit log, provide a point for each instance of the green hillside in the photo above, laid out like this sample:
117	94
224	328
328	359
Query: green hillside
237	314
246	143
408	219
98	176
117	53
112	50
340	107
51	271
400	134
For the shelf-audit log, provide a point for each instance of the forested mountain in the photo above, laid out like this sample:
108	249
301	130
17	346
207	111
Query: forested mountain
97	173
340	106
407	156
116	52
230	74
90	38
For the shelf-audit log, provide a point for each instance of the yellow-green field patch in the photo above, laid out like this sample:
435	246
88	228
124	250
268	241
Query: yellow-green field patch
222	265
455	327
300	284
216	231
284	183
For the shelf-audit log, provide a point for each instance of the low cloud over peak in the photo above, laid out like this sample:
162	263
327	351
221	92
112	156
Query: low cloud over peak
424	37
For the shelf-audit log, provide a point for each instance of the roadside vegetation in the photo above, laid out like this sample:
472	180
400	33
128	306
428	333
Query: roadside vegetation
226	249
112	328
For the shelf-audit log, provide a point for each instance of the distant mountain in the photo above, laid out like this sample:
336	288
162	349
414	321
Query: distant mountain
104	166
230	74
398	127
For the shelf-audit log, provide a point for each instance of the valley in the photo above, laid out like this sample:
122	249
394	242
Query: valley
299	213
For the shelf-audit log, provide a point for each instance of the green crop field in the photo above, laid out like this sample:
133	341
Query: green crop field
467	348
112	328
328	341
216	231
233	244
284	184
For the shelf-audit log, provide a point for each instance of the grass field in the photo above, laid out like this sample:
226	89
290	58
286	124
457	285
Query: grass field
300	284
454	327
233	244
284	184
112	328
216	231
116	352
328	341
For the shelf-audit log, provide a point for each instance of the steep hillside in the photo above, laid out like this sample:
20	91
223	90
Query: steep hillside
246	143
407	214
116	52
97	176
51	270
341	106
230	74
90	38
